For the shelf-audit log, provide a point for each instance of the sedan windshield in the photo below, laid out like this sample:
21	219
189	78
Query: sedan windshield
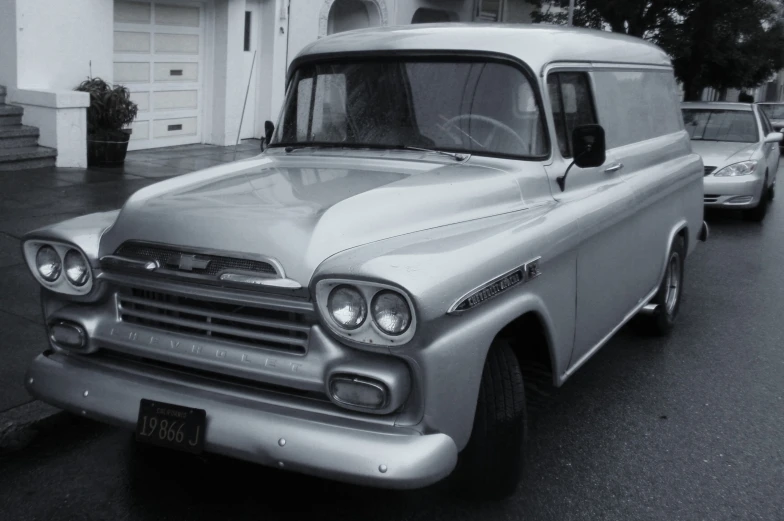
738	126
773	111
480	107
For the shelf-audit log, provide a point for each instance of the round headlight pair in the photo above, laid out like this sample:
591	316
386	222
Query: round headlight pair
50	266
389	310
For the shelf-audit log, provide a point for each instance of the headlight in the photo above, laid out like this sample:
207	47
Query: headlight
737	169
367	312
60	267
48	263
347	307
76	269
391	312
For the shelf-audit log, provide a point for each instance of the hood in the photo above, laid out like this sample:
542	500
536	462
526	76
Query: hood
720	153
301	210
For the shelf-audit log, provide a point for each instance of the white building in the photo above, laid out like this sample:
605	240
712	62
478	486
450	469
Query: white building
187	62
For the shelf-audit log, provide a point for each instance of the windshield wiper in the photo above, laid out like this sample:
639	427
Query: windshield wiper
454	155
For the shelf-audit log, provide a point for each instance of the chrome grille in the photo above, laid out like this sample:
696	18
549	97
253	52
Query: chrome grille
200	264
242	324
709	170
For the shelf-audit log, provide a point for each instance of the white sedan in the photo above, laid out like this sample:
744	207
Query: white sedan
739	149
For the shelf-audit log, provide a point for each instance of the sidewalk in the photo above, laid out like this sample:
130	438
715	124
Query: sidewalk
30	199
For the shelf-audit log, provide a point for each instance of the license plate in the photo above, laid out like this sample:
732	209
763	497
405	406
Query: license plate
172	426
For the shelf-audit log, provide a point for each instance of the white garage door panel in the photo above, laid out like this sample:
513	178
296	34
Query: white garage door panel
158	55
141	130
173	71
174	127
132	12
131	42
175	99
177	15
142	100
131	72
176	43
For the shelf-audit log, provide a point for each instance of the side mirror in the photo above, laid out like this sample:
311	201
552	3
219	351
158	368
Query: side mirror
588	146
774	137
269	129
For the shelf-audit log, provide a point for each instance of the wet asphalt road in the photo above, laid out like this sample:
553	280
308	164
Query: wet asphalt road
690	427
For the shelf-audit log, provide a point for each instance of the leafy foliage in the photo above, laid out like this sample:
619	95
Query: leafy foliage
111	107
713	43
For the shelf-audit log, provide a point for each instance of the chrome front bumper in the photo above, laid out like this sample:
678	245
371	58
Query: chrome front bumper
732	192
241	426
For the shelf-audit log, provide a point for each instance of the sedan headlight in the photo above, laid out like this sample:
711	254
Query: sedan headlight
347	307
76	269
391	312
737	169
48	263
366	312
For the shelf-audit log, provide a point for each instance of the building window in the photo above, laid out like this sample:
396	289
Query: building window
347	15
424	15
246	45
489	10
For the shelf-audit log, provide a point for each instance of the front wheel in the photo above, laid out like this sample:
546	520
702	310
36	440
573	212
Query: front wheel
491	465
668	297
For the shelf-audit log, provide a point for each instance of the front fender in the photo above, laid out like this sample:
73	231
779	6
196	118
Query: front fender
85	232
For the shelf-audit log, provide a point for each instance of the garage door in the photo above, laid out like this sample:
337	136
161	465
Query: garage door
158	51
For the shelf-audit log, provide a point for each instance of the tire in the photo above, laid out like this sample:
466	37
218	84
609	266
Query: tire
491	465
758	213
668	297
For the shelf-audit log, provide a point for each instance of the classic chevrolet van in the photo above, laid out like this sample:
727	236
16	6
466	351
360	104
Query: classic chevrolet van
440	211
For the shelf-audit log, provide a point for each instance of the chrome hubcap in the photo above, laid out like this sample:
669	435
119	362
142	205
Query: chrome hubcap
672	283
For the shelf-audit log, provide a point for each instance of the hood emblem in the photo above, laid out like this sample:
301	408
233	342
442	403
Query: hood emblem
187	262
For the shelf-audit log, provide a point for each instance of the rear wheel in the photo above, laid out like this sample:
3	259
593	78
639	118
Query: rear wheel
491	465
668	297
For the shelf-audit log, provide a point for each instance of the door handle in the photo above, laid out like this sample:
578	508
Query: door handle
613	168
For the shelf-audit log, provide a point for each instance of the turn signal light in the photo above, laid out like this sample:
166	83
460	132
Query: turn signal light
68	335
357	391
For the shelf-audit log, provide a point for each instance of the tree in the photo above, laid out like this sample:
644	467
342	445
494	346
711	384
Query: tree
713	43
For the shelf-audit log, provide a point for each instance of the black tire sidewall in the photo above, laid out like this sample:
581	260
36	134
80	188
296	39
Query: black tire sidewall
664	321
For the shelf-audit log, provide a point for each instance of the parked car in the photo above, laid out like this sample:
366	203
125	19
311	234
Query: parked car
440	209
739	149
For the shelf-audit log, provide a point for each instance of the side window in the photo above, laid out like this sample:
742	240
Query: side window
570	98
767	128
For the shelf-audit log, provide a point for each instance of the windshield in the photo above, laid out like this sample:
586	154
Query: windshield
738	126
476	107
773	111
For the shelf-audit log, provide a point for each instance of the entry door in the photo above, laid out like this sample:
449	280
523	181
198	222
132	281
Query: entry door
251	39
158	55
602	203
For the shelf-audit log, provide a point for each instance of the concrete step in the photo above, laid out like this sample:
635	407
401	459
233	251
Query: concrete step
10	115
12	159
17	136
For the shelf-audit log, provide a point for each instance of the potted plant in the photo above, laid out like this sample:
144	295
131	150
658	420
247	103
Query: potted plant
111	111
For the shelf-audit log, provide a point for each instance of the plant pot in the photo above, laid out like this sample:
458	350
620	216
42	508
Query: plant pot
107	148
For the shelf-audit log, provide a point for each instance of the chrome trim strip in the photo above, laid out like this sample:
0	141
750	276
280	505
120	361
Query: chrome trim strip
132	263
643	303
530	271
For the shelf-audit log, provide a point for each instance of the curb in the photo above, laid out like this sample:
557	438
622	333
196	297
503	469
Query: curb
19	426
